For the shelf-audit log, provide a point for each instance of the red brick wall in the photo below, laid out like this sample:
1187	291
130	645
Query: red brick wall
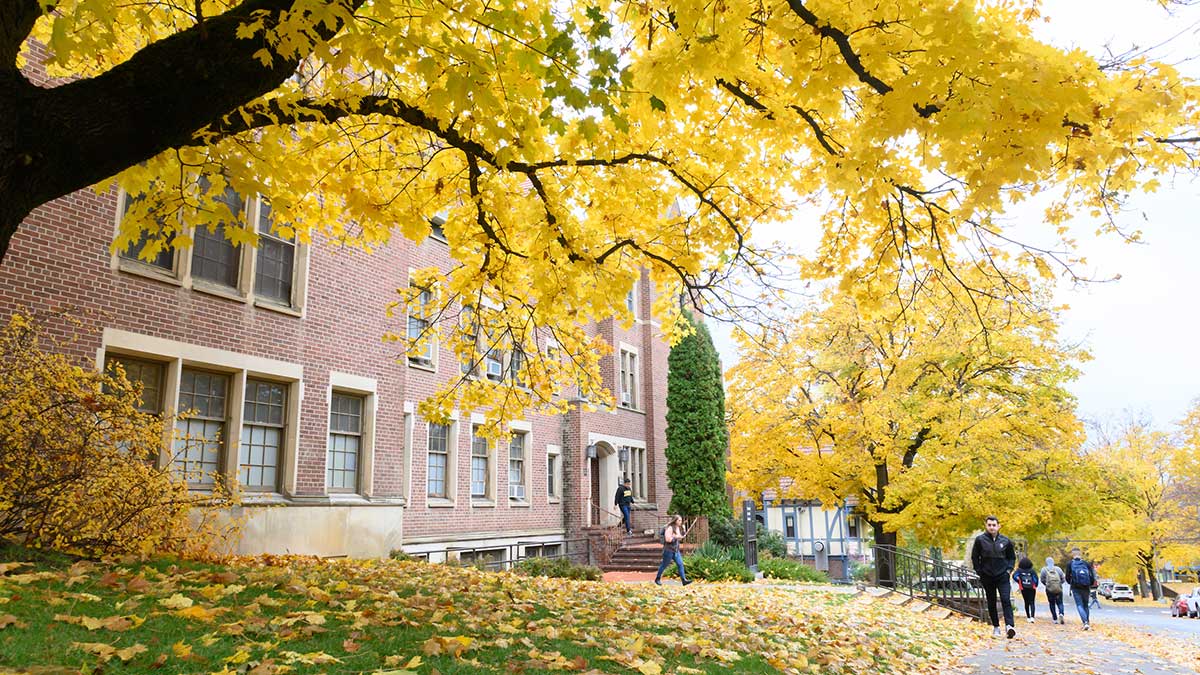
60	257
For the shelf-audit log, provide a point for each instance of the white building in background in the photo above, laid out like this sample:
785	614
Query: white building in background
829	539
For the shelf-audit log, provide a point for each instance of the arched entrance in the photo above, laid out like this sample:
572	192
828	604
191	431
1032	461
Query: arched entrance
604	472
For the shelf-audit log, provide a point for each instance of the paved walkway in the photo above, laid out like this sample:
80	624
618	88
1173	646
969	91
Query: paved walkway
1045	649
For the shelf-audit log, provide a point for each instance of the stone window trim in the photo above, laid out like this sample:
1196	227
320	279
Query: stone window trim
429	360
365	388
180	273
554	474
524	430
490	498
629	377
450	496
174	356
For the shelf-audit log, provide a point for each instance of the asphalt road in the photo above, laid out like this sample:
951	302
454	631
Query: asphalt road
1152	619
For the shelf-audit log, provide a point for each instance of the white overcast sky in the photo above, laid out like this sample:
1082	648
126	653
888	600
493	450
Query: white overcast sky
1144	330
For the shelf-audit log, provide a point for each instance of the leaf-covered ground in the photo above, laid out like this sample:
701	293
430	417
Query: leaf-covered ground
301	615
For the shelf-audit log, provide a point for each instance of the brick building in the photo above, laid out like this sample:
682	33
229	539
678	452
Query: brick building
278	349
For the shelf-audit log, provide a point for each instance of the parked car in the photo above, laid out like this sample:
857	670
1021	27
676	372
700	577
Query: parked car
1193	601
1105	587
1179	608
1120	592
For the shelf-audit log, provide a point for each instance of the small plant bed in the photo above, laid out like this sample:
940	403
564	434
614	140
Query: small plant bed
260	616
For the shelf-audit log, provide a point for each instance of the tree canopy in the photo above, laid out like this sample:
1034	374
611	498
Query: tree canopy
925	416
570	144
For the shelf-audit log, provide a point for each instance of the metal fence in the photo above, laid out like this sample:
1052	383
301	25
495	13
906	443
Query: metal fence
936	581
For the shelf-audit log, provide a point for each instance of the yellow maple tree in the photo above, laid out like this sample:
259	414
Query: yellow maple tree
931	411
1150	508
569	145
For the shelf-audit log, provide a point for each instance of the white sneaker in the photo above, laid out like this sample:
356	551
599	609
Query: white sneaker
1031	619
1012	632
1062	620
996	631
1087	626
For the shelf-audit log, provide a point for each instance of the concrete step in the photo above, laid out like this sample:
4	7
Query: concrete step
919	606
939	612
628	567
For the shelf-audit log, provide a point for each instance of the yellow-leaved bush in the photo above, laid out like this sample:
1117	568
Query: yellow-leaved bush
78	469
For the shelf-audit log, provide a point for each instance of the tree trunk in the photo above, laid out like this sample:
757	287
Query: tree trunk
885	564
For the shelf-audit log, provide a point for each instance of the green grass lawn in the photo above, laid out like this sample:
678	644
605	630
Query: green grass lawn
302	615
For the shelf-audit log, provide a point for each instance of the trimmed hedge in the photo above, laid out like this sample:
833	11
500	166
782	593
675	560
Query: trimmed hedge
559	568
713	569
791	570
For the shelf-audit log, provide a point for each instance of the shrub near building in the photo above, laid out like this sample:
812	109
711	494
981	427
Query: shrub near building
77	470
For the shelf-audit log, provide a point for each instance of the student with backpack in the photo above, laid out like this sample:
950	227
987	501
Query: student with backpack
1053	578
671	536
1082	578
1027	583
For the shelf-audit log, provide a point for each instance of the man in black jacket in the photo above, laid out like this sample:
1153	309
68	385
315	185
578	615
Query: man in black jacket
993	557
624	500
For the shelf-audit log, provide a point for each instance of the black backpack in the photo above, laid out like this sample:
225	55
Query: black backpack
1026	580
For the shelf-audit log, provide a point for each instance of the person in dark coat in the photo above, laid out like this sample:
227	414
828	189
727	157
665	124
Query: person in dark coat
1081	576
1027	583
993	557
624	501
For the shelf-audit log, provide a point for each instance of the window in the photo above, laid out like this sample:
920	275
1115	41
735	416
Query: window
852	527
146	373
345	442
164	259
494	365
789	527
276	262
631	301
436	228
466	319
262	435
543	551
629	379
214	257
481	484
516	467
633	468
270	274
553	473
421	351
492	558
201	441
516	366
439	457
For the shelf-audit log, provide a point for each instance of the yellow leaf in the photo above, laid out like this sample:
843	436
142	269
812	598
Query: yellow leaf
176	601
130	652
650	668
197	612
181	649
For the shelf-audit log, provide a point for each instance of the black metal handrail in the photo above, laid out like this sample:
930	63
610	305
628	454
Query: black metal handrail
935	581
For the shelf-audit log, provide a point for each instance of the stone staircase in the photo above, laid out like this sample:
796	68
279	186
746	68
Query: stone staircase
638	553
875	594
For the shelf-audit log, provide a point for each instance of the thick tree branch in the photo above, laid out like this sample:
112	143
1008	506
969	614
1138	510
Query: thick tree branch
16	21
842	40
58	140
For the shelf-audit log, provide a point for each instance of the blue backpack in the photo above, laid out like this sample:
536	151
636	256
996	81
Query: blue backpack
1081	574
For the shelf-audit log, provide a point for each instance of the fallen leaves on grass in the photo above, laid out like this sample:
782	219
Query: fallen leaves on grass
302	615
